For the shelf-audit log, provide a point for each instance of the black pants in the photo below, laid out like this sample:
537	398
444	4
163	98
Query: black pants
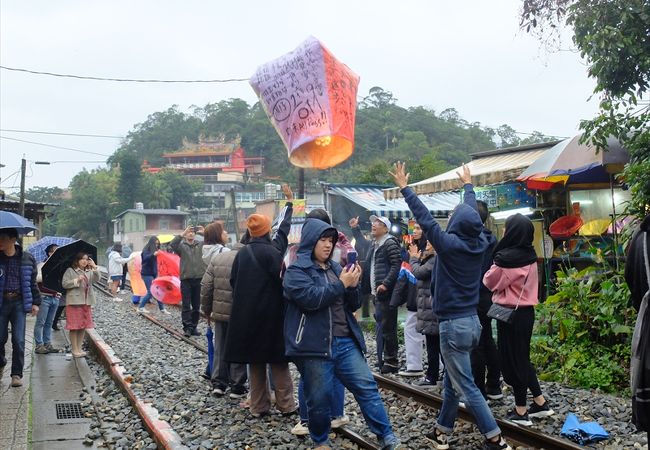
514	348
433	356
386	337
57	316
486	356
191	293
124	271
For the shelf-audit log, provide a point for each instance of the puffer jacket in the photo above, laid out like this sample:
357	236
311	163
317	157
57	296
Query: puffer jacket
427	321
388	260
216	292
28	286
310	296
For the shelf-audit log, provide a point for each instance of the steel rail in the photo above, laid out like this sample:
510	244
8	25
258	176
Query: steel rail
520	434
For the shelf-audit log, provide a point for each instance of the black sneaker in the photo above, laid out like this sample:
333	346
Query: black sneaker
237	392
521	419
494	393
438	439
387	368
425	383
535	410
196	332
187	333
218	391
500	444
410	372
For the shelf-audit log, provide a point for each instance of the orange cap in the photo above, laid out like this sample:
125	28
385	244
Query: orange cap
258	225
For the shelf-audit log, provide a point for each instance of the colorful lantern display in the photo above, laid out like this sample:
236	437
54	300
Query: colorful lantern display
310	98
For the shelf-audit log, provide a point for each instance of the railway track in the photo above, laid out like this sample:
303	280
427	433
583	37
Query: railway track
516	434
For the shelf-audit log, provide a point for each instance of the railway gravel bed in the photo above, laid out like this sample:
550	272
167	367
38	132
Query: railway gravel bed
166	372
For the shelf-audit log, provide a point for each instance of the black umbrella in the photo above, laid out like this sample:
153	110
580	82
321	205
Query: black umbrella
61	259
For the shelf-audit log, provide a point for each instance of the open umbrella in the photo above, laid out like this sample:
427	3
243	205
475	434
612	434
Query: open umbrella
37	249
12	220
61	259
570	162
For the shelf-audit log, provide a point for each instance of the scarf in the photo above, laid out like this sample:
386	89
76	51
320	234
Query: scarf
516	247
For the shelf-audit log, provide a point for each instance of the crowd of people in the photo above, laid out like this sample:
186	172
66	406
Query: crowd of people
271	305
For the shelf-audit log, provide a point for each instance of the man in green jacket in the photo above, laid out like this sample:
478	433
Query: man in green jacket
192	269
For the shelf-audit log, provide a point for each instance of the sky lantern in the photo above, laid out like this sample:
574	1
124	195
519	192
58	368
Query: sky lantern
311	99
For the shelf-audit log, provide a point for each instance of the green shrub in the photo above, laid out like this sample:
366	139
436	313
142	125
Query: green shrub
583	331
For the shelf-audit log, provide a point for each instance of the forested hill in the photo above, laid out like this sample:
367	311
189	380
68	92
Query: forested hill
433	142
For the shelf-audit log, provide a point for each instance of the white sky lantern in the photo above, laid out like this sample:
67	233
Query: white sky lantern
311	99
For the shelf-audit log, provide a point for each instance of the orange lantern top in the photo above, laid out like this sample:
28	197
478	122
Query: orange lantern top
311	99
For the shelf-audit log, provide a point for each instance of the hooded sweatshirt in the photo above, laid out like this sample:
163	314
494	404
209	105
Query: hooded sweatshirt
457	271
312	294
210	250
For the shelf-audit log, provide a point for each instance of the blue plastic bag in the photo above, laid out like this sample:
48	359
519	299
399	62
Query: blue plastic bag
582	433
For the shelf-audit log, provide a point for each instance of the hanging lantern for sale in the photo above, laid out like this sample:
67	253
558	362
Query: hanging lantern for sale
311	99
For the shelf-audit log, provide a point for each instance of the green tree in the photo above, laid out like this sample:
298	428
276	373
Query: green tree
92	206
614	38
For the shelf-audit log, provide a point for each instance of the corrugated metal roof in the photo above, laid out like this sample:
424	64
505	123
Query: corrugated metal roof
153	212
372	199
485	170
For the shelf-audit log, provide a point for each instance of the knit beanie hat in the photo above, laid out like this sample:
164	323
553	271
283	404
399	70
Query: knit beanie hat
258	225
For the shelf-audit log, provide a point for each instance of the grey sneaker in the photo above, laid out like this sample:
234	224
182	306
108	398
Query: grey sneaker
41	350
16	381
51	349
438	439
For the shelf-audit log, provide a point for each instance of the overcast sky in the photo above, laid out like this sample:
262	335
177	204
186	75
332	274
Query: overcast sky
469	55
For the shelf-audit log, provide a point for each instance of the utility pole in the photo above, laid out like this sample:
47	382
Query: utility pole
23	169
301	183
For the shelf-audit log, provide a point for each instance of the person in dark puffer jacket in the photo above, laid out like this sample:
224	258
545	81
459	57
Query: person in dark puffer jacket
20	295
380	271
427	322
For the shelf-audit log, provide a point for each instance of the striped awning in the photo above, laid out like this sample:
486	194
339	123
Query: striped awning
372	200
491	167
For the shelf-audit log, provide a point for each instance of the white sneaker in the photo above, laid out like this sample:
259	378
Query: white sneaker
338	422
300	429
117	299
143	311
165	311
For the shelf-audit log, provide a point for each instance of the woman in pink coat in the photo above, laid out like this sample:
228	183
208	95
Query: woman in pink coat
513	282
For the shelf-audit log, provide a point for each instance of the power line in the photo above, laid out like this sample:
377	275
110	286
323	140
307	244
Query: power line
129	80
55	146
62	134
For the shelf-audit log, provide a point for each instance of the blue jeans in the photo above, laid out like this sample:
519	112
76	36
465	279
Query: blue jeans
350	367
12	311
44	319
458	337
148	279
337	400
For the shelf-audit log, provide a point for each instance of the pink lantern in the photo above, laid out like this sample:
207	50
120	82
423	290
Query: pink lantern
167	289
311	99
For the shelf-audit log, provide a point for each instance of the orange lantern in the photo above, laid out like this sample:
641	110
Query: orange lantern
311	99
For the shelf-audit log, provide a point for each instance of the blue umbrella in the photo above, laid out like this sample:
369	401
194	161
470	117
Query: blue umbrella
11	220
582	433
209	336
37	249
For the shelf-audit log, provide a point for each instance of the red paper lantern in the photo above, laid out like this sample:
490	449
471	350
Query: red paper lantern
311	99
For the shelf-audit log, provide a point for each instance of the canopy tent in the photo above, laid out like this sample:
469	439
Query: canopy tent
369	199
491	167
572	162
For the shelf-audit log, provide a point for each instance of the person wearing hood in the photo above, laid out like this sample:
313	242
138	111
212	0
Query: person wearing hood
215	238
254	334
637	276
457	278
513	281
192	269
323	338
485	357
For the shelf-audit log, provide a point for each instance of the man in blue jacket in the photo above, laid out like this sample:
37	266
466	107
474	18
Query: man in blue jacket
457	275
323	338
20	295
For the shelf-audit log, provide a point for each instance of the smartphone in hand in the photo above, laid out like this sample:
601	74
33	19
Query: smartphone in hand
352	259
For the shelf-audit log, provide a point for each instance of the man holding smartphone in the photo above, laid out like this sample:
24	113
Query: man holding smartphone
192	269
